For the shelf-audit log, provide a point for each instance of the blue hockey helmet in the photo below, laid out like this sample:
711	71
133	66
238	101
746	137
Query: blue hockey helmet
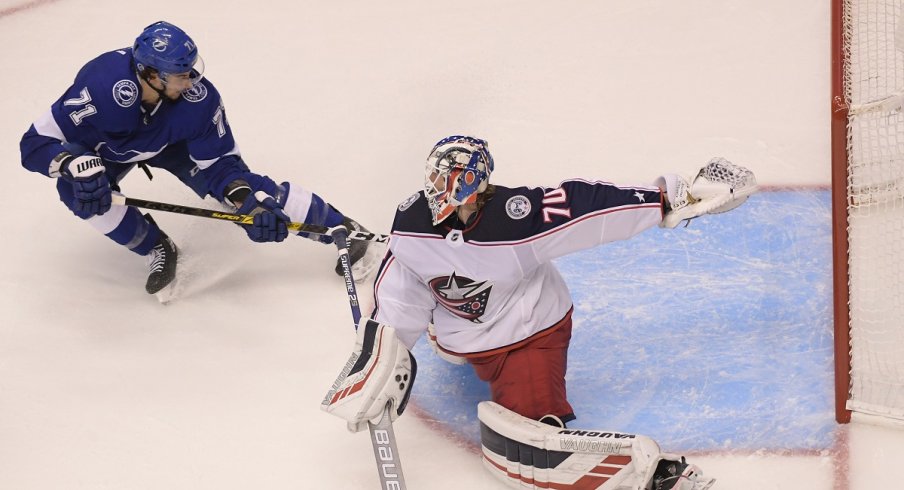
458	169
169	50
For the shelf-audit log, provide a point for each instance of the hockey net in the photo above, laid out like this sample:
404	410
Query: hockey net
868	206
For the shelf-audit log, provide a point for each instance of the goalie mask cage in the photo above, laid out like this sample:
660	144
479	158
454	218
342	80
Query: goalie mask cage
868	208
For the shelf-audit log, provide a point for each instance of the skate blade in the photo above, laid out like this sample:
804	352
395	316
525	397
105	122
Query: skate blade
169	293
704	483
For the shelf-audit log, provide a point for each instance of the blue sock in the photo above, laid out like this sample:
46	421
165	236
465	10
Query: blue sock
135	233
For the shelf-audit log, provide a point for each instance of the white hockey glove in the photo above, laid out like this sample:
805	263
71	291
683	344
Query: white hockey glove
379	372
525	454
718	187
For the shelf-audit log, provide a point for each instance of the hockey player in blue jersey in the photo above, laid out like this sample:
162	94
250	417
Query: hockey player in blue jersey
149	105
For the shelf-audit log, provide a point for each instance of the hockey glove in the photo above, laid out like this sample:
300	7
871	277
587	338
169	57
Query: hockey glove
718	187
90	186
379	373
270	221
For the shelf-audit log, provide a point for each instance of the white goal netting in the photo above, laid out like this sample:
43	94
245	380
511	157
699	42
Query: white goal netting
874	81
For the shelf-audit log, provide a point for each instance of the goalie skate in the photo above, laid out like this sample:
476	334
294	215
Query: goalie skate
677	474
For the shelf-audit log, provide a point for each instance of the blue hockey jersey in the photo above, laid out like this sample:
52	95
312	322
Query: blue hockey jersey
102	111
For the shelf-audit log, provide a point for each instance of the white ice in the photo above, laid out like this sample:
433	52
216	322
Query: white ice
101	387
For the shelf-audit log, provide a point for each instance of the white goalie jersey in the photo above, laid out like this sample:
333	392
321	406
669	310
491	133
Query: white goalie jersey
489	285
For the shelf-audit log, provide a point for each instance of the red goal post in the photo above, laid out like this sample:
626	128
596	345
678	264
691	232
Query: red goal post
867	138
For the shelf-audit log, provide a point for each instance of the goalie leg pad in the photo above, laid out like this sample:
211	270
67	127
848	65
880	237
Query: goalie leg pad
380	371
525	453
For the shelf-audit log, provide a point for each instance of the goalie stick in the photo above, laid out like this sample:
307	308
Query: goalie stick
242	219
382	437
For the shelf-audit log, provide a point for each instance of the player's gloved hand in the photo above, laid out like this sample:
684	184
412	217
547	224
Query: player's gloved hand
718	187
270	222
380	372
90	185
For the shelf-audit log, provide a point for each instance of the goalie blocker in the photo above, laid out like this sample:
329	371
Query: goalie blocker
718	187
380	371
525	453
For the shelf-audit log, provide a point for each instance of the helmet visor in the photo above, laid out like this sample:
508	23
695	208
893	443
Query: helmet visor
194	76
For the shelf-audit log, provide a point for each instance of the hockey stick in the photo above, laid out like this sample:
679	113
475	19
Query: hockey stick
242	219
382	437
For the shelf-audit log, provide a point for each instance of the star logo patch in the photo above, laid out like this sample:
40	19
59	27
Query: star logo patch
462	296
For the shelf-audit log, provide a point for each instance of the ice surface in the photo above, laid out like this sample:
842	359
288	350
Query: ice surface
101	387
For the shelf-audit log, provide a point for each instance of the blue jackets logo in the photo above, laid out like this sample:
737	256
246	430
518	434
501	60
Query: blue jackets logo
462	296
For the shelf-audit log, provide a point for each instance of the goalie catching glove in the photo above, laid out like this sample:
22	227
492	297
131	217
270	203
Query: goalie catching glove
720	186
379	372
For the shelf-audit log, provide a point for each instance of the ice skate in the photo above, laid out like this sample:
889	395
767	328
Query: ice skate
679	475
162	268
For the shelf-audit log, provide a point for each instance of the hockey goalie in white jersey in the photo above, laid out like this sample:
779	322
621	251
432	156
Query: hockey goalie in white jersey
474	260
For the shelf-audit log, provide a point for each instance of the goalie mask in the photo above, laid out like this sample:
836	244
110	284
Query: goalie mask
458	169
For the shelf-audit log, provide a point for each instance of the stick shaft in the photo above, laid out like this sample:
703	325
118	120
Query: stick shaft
242	219
382	437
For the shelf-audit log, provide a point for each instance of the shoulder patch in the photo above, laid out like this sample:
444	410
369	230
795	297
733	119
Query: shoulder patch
517	207
125	93
195	94
409	201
